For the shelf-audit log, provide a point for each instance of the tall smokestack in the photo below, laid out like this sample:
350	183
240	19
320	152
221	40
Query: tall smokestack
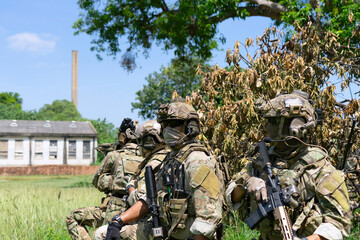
74	78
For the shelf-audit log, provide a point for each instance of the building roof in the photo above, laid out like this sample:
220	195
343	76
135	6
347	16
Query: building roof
34	128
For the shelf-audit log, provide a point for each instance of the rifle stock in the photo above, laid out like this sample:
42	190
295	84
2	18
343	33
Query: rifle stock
151	194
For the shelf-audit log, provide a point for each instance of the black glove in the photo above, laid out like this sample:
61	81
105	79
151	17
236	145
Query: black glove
113	231
300	238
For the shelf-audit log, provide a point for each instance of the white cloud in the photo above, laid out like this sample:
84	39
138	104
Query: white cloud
31	42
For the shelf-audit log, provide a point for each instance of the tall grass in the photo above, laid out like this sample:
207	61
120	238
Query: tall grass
236	229
35	207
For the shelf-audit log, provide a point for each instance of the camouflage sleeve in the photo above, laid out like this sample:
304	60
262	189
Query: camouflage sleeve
133	197
120	178
333	198
139	193
206	194
103	173
238	180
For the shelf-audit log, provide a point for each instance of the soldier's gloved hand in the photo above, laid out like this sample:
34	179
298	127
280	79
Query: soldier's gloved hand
113	231
257	186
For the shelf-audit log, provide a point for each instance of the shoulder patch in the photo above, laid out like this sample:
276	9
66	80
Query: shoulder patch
334	186
206	178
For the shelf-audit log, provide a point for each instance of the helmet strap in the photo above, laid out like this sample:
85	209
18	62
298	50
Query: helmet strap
281	127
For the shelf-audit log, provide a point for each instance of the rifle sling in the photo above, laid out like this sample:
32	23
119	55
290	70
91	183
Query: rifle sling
305	212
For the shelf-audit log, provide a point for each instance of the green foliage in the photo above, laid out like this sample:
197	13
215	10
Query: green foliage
339	16
10	98
59	110
10	107
10	112
355	228
107	133
191	26
180	75
237	229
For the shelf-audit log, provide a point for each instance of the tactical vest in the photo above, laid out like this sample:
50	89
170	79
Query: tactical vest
156	156
174	202
126	165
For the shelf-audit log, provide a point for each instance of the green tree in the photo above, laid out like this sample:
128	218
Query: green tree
107	133
59	110
11	112
180	75
191	26
11	98
10	107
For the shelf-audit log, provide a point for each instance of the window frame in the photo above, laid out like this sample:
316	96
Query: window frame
4	155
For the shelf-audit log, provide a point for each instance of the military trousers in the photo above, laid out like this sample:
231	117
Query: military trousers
95	217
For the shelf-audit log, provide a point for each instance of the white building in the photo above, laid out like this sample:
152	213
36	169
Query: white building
28	142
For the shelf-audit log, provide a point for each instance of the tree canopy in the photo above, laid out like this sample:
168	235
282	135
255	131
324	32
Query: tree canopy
11	98
180	75
191	26
59	110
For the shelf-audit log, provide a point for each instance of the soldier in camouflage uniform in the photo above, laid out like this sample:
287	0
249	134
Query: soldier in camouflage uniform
112	176
195	212
152	148
322	209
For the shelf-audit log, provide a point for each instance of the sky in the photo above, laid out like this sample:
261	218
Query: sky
36	43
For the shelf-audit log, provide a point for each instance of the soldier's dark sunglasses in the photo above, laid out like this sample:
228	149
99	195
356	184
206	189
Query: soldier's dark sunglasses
274	120
172	123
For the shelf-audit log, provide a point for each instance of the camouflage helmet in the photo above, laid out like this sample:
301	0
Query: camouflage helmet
295	105
177	110
151	127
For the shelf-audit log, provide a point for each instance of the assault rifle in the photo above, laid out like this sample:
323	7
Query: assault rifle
277	199
151	194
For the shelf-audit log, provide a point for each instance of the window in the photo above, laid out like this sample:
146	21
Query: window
38	149
19	152
53	149
86	149
3	149
72	149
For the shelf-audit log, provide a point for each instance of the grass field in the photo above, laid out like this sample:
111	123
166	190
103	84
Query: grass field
35	207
